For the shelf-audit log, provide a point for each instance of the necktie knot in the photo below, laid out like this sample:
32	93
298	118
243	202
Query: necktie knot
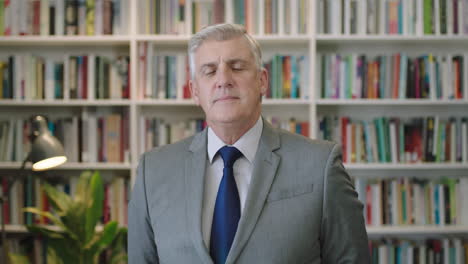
229	155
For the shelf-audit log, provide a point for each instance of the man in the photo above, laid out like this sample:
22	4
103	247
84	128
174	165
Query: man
242	191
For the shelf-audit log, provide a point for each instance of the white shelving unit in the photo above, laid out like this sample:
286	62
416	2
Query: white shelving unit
64	40
65	103
310	108
389	39
75	166
419	231
413	167
20	229
391	102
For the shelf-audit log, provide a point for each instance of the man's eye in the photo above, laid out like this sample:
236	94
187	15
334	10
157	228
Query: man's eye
210	72
237	68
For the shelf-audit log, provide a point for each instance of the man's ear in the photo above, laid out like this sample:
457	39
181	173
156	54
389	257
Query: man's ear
194	91
263	81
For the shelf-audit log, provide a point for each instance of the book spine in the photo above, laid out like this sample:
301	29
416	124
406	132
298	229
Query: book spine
71	18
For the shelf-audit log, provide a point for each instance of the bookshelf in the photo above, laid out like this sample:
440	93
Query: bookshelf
311	41
374	41
420	231
20	229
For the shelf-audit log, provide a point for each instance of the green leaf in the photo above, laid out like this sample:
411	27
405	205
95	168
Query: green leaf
74	220
52	257
45	231
68	252
94	211
109	233
48	215
82	190
105	238
59	201
119	258
119	253
76	241
66	228
18	259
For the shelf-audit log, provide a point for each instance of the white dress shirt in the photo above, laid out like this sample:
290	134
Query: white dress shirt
247	145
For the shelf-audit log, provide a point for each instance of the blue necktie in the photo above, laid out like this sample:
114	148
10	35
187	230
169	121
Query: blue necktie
227	209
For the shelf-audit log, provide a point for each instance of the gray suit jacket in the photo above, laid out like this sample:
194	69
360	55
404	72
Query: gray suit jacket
301	206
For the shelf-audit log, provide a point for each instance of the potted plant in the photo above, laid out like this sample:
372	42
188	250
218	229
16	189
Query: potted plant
73	238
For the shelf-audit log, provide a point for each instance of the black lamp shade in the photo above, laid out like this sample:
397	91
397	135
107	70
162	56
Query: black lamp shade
46	151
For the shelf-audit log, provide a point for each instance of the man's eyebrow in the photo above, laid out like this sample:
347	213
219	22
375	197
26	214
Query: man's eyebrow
236	60
229	61
208	65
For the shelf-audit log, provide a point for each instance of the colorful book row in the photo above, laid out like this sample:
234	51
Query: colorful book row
398	140
162	17
430	251
156	132
279	17
93	137
292	125
162	76
70	77
28	193
288	76
397	76
64	17
206	13
170	17
406	201
393	17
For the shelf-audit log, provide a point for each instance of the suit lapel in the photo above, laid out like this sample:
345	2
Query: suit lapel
194	184
264	171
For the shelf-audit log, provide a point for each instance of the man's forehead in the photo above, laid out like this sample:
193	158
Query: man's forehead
226	48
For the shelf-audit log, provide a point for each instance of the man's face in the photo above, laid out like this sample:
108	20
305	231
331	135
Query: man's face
227	84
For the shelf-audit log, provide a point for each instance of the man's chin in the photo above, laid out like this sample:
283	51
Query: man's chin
226	102
226	119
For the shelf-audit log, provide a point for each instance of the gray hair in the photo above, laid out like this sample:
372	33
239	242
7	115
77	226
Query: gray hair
221	32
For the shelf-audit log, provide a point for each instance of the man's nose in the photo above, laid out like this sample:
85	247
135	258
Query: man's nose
224	77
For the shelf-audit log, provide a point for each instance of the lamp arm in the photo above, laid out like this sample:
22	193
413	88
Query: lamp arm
21	175
4	199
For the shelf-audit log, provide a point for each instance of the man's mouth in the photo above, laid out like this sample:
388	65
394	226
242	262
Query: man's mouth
226	98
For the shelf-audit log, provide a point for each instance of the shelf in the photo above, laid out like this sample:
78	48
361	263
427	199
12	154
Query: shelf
165	39
70	102
417	230
282	39
166	102
286	102
104	40
96	166
75	166
410	166
190	102
388	39
262	39
21	229
371	230
387	102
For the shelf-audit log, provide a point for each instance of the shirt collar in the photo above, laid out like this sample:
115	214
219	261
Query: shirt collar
247	144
